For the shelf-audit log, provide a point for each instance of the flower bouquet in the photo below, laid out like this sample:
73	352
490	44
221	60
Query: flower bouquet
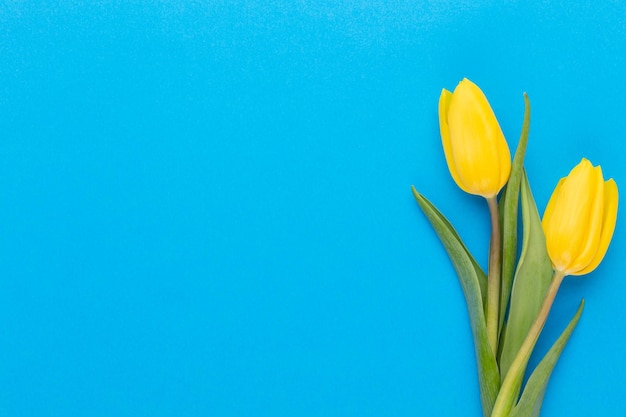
509	305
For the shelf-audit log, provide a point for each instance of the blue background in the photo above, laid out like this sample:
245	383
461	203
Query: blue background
206	205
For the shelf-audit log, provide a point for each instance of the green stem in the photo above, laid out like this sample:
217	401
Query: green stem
493	280
510	386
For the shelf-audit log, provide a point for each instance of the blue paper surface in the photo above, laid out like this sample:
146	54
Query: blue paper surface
206	208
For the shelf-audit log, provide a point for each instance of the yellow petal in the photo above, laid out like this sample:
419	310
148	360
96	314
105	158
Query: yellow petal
547	223
593	224
444	103
608	225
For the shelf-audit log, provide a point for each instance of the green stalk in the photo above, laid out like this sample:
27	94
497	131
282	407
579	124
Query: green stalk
493	279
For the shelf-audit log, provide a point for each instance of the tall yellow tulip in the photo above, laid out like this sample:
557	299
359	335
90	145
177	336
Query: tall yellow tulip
479	160
580	219
477	154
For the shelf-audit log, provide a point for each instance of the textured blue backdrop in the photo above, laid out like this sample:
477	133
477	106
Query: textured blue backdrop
206	207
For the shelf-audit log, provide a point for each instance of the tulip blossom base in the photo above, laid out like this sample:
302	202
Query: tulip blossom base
509	305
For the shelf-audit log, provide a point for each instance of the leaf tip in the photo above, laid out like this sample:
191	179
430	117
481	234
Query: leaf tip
416	194
526	105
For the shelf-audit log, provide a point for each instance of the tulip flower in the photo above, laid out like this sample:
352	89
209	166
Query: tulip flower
579	220
578	225
477	154
479	161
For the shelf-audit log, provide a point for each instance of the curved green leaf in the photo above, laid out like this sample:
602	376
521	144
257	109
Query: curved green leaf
532	397
510	201
482	277
468	273
532	279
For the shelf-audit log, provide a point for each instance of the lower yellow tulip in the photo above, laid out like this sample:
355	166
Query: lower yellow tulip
580	219
578	224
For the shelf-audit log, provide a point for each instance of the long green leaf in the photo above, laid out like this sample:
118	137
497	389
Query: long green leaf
468	273
532	397
482	277
510	201
532	279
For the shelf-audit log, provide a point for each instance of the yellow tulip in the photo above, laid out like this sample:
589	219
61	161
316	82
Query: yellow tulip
477	154
578	223
580	219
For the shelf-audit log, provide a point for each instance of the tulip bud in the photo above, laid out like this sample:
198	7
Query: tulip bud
477	154
580	219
